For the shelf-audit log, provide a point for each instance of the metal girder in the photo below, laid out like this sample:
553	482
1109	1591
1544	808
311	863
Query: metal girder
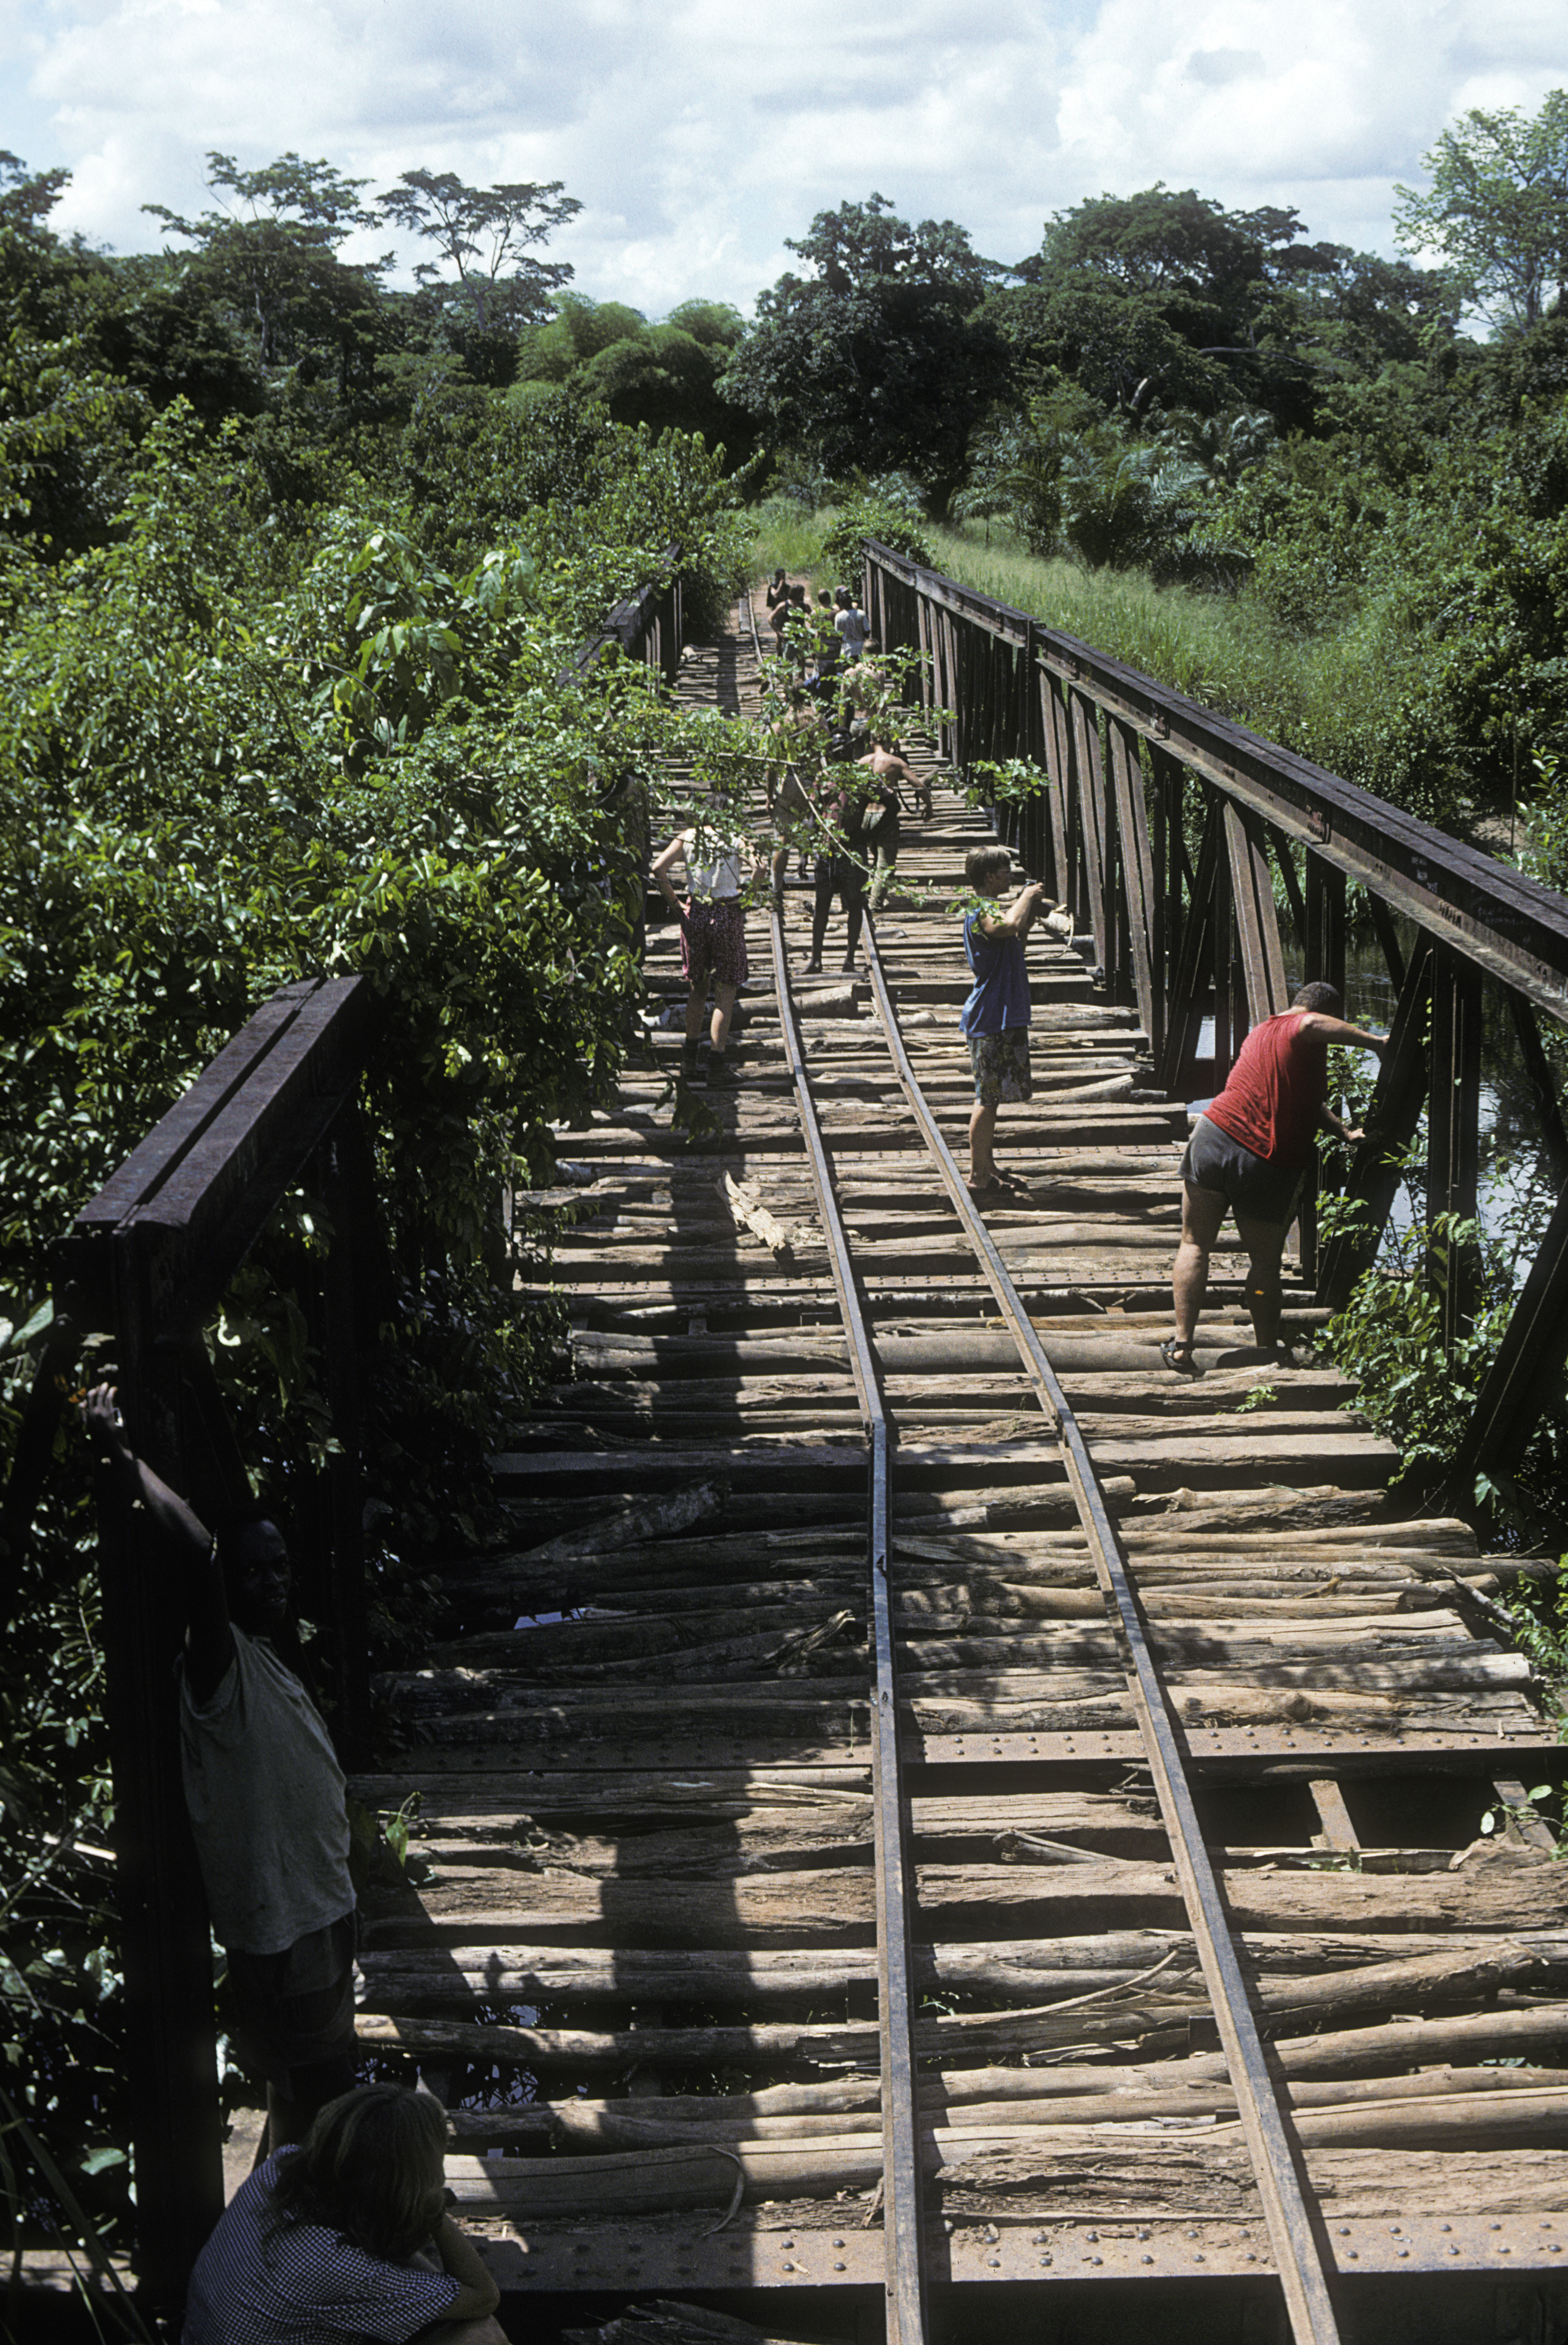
1453	1130
1252	892
538	2259
637	626
1512	927
1527	1367
1391	1119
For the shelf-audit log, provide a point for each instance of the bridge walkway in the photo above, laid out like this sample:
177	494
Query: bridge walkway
642	1965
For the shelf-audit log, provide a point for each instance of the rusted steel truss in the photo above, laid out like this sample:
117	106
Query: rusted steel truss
1163	827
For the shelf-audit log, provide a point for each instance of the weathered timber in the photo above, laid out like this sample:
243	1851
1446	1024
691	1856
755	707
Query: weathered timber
826	1906
1522	2109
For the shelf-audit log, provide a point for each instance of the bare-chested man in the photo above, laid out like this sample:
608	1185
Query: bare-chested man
888	765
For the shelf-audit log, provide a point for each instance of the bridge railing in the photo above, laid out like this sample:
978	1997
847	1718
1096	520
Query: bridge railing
145	1264
647	626
1162	826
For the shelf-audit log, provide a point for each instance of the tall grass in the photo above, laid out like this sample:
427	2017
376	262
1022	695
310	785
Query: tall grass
790	538
1341	698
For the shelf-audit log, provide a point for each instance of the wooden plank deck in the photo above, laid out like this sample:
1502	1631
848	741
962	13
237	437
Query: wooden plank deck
643	1966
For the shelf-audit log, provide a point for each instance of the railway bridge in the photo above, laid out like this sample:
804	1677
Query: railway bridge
933	1827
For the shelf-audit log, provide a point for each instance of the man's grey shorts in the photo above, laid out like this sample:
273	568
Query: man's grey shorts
1250	1184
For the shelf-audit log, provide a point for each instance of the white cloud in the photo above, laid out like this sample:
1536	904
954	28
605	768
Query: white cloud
699	137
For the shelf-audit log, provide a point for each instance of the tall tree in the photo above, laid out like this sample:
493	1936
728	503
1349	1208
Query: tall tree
484	234
874	362
1497	209
1165	298
27	198
270	251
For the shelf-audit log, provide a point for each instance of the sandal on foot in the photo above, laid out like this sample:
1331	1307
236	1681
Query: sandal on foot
1172	1351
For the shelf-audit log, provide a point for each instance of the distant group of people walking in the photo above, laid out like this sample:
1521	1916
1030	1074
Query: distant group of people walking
819	637
1252	1144
836	805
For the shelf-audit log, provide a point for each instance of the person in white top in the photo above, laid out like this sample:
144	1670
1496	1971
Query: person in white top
264	1791
719	863
852	625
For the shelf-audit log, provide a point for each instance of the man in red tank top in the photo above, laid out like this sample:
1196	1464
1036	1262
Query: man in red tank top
1246	1155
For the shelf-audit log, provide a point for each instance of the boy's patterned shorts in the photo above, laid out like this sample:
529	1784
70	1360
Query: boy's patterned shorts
1000	1063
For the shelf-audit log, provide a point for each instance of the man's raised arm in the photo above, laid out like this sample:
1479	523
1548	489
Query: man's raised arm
208	1641
1334	1030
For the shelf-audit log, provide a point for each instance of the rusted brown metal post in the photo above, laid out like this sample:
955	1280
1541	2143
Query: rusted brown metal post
1525	1372
1226	1039
1391	1122
345	1490
1453	1129
170	2049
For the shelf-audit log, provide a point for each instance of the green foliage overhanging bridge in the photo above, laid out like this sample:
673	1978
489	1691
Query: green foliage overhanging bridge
745	1835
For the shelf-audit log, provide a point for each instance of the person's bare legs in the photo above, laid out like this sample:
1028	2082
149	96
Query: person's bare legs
723	1011
982	1135
1264	1244
1202	1211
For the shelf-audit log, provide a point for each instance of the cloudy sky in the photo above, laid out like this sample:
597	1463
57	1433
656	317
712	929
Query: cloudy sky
698	135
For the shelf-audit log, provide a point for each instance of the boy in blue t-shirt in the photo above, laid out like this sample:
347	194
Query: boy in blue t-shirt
995	1018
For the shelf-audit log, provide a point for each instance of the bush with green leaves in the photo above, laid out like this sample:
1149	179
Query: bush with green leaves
233	755
1418	1386
872	516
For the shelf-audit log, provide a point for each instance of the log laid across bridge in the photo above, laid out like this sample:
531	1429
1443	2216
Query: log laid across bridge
927	1800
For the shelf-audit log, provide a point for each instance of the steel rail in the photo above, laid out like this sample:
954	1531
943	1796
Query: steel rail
901	2210
1298	2252
902	2223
